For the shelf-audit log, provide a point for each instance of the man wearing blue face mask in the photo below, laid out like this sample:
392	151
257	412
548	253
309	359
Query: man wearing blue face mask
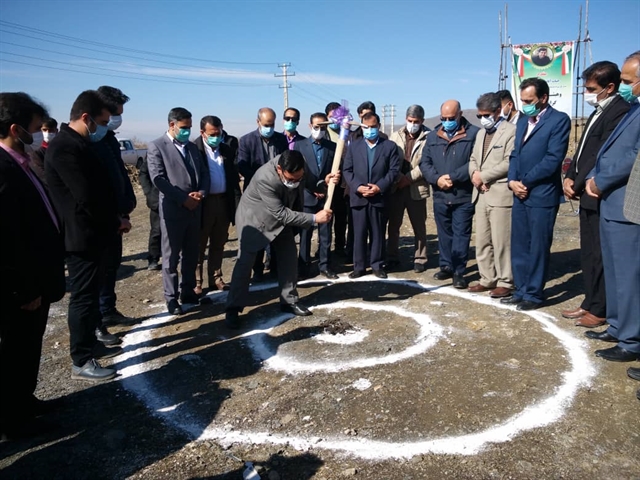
291	120
85	200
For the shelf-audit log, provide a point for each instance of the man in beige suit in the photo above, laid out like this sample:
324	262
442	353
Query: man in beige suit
488	168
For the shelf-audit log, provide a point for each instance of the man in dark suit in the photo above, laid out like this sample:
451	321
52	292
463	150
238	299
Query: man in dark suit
255	149
49	130
85	200
177	170
151	193
291	119
535	165
620	237
370	167
601	81
232	143
219	204
318	152
31	265
268	212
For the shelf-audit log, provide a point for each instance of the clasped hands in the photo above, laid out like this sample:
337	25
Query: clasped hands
193	200
369	190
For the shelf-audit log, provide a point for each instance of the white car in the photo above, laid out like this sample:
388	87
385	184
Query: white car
130	154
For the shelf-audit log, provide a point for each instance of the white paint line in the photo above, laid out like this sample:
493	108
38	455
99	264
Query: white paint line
361	384
350	337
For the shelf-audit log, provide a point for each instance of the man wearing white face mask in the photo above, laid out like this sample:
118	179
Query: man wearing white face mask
601	81
47	133
509	111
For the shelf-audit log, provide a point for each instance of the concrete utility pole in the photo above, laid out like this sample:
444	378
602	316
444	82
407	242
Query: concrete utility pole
285	85
393	118
382	118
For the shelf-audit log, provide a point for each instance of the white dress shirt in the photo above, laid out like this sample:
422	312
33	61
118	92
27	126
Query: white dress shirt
216	170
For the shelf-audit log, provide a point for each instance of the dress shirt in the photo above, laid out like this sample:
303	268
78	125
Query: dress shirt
533	121
318	149
599	109
216	170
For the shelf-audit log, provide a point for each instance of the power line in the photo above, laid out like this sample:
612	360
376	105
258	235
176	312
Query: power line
319	85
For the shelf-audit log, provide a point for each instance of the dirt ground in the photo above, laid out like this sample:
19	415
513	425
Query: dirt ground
401	379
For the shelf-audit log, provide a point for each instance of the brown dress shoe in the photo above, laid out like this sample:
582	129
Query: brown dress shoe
575	313
501	292
478	288
588	320
221	285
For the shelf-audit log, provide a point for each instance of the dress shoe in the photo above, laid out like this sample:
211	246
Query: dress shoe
617	354
195	299
419	267
220	285
392	265
330	274
232	320
443	274
101	351
114	317
526	305
589	321
603	336
296	309
479	288
634	373
459	282
174	308
92	372
575	313
154	265
258	277
357	274
380	273
511	300
501	292
103	335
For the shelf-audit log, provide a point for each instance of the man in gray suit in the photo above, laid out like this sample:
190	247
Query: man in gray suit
269	210
632	195
176	169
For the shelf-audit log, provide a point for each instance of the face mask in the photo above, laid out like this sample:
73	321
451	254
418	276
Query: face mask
488	122
26	143
370	133
626	92
412	127
213	142
290	184
48	136
450	125
530	110
114	122
101	131
317	134
38	138
335	127
290	126
266	132
183	135
505	115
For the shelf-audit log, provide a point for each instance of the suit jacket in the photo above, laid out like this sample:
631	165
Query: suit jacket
598	134
632	195
37	163
232	143
31	247
494	165
537	162
230	173
151	193
314	177
170	175
419	187
81	190
385	169
614	164
251	154
267	207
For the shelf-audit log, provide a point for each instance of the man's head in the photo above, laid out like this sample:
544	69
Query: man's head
534	95
489	109
450	115
115	99
49	129
266	121
20	117
90	115
542	53
630	78
415	118
180	123
370	126
364	108
291	119
211	130
331	106
318	131
508	105
290	168
601	80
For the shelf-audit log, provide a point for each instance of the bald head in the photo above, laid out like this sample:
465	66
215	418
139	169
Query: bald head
450	108
266	118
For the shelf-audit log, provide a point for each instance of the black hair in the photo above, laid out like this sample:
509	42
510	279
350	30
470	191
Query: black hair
488	102
542	87
331	106
318	115
50	123
89	102
291	161
113	97
370	115
293	109
178	114
505	95
210	120
366	106
20	109
603	73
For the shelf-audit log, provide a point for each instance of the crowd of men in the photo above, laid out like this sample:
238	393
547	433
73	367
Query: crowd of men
69	201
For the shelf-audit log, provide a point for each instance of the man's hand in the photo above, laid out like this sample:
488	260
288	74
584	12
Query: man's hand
404	182
332	178
192	201
373	189
518	189
476	180
484	187
32	306
592	189
196	195
323	216
567	186
319	195
444	182
125	226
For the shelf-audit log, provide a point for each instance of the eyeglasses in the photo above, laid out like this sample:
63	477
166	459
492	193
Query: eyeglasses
484	115
447	119
291	119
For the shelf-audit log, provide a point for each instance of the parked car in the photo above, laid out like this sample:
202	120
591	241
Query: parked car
130	154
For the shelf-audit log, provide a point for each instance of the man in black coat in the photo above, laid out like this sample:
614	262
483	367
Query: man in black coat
152	195
84	198
31	264
601	84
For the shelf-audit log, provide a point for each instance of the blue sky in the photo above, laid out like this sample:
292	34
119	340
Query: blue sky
391	52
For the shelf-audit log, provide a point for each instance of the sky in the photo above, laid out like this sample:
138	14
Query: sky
219	57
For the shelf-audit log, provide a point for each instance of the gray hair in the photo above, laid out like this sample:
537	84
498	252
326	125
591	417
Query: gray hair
415	111
634	56
488	102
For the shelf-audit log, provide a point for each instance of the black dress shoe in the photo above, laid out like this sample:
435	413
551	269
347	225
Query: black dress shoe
296	309
380	273
357	274
330	274
174	308
232	320
459	282
103	336
511	300
603	336
392	264
115	317
617	354
419	267
634	373
258	277
443	274
526	305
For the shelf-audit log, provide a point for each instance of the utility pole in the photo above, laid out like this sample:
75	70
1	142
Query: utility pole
393	118
384	116
285	85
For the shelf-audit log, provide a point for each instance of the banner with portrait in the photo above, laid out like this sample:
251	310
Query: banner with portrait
552	62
